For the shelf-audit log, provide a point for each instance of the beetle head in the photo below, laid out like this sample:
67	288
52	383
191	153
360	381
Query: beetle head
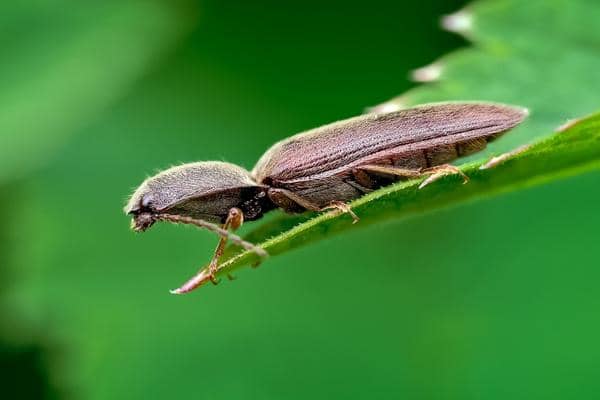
204	190
142	210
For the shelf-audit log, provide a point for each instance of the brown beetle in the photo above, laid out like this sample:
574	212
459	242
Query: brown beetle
320	169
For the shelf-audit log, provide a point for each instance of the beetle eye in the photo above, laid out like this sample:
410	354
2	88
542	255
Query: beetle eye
147	201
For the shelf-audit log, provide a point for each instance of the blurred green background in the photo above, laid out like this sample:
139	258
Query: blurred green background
496	299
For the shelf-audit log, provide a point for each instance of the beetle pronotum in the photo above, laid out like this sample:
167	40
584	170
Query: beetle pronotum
319	169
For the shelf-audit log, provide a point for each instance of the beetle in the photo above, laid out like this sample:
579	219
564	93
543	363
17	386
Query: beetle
319	169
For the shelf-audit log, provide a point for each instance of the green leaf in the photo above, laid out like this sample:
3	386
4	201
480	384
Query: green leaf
64	65
572	151
513	59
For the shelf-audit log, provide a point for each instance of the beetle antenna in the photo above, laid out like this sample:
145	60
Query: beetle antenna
213	228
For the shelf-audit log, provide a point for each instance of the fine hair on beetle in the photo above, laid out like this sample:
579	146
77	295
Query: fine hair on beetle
320	169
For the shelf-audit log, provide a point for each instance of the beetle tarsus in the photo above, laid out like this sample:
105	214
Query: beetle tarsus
343	208
440	171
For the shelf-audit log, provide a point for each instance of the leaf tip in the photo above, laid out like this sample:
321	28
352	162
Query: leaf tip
387	107
428	73
460	22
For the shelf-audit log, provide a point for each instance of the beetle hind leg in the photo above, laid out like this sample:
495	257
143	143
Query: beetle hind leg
432	174
378	170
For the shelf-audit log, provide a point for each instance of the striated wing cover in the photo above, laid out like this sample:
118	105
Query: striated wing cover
341	143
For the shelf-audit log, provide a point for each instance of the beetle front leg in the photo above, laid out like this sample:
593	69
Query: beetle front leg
234	220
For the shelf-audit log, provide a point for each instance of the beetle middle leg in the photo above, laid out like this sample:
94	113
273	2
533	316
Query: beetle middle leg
289	201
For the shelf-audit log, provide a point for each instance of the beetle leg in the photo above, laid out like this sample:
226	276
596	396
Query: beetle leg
307	204
359	187
362	181
344	208
433	173
285	199
234	220
440	171
495	161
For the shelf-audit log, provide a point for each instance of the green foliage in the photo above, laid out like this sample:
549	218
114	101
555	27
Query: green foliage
62	66
70	67
493	299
